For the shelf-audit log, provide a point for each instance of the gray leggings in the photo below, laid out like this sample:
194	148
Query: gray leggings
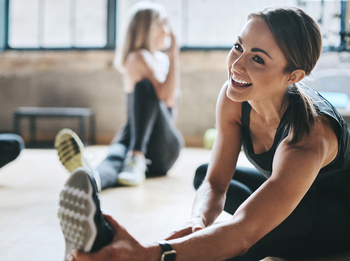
149	128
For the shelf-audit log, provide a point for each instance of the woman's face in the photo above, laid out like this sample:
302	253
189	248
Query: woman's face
256	65
160	35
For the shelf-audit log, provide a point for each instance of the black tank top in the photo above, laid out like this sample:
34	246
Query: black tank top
336	175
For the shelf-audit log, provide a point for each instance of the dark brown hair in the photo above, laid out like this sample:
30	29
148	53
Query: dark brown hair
299	38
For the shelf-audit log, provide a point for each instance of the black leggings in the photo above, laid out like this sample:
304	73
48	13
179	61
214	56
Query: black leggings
319	226
10	148
150	128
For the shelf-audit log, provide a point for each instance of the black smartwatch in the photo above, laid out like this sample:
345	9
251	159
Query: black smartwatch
168	253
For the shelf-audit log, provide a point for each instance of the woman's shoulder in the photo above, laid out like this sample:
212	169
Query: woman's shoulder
228	109
140	59
140	56
322	139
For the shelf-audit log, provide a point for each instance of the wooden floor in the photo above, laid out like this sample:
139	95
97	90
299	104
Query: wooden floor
29	191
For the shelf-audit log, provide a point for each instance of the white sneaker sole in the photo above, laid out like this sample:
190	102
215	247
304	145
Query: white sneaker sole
76	213
70	150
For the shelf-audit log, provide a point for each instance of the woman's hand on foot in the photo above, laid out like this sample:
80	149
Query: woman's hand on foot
123	247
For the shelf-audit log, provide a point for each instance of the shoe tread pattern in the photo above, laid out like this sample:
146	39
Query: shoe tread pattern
76	214
70	151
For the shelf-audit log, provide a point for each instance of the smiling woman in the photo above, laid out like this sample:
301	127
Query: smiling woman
295	203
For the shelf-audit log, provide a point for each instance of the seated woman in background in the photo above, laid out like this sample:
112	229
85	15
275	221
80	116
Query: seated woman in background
148	58
297	203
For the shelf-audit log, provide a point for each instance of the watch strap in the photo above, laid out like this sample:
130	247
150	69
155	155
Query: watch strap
168	253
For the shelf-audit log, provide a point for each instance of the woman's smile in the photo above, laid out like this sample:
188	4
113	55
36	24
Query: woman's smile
238	82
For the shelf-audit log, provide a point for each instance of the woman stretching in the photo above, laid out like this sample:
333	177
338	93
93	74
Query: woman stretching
297	202
151	84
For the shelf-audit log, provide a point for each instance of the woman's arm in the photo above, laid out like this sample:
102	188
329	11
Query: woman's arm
167	92
210	197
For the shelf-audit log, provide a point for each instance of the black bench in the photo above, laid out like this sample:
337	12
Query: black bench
32	113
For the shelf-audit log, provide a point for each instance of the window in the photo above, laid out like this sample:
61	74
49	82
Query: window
198	24
214	24
61	24
331	17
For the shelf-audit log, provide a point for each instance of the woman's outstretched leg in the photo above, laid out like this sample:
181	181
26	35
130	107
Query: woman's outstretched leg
112	165
318	227
315	228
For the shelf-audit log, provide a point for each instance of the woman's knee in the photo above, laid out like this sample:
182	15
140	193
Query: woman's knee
11	143
249	176
200	174
145	90
11	146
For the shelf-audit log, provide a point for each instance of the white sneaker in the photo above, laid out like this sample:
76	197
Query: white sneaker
70	151
134	171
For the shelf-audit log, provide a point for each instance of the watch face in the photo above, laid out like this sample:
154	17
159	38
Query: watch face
169	256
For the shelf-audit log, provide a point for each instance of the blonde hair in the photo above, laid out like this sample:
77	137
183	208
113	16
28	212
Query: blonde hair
136	34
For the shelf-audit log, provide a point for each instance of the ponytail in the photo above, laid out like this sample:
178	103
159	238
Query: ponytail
303	113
